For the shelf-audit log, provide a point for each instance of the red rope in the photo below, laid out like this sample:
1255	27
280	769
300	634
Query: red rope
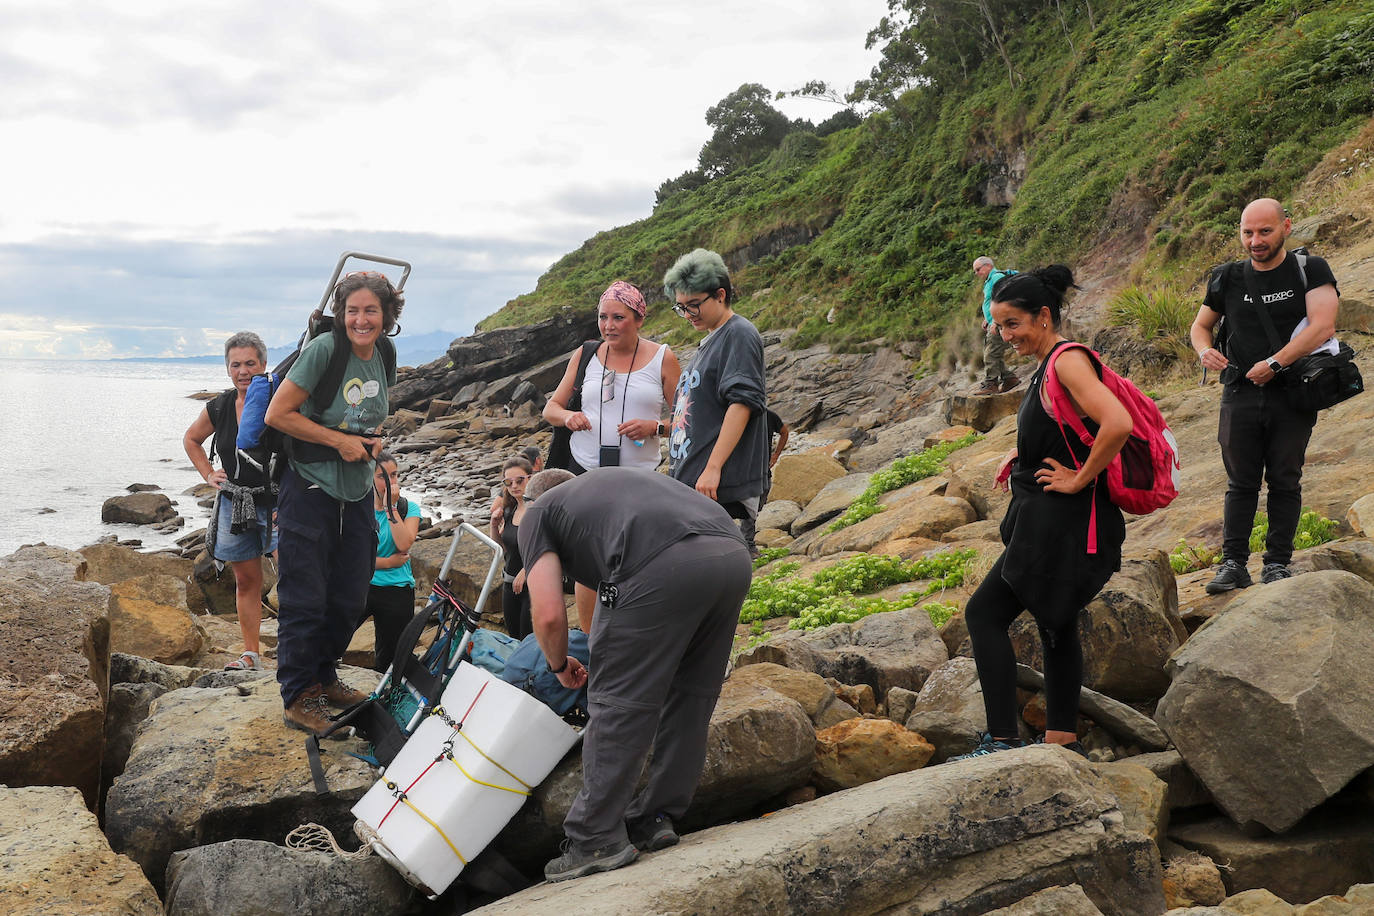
407	789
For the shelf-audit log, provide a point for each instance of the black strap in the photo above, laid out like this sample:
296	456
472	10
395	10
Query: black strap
330	380
625	398
589	348
312	754
1269	330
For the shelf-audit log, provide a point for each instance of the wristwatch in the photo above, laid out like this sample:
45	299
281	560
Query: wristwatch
1274	365
660	429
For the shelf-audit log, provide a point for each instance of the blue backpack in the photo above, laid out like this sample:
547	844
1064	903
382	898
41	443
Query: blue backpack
527	669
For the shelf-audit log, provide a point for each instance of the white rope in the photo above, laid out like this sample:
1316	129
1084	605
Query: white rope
319	839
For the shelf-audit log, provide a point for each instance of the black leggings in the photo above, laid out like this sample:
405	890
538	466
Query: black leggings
989	615
391	607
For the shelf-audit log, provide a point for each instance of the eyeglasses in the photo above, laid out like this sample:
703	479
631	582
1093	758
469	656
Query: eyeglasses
515	481
608	386
692	309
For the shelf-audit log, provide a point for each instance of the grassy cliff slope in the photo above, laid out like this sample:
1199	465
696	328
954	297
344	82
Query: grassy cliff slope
1148	131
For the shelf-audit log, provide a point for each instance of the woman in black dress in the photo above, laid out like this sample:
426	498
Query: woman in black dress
505	527
1047	568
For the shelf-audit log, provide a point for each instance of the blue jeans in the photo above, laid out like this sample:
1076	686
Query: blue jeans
325	555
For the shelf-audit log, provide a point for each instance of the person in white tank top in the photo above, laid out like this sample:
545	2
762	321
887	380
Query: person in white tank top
626	386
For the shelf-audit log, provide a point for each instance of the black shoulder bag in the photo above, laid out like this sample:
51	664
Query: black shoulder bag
1316	381
560	451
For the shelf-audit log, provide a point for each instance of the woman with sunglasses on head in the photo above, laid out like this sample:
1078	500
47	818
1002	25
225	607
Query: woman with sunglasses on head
627	383
505	527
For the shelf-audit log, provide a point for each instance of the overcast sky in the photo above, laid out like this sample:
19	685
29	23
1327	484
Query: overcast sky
176	171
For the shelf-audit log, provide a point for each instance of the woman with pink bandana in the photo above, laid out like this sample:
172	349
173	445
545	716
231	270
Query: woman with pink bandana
628	382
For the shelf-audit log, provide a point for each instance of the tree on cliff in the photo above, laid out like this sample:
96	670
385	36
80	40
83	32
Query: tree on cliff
747	129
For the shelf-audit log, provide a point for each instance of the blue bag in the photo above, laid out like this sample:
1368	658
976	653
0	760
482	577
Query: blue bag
527	669
490	649
254	419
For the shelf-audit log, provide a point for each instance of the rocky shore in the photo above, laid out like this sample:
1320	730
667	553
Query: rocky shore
1231	737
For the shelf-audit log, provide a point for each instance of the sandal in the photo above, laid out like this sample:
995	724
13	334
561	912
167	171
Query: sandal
248	661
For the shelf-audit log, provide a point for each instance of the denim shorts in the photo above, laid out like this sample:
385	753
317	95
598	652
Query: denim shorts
244	546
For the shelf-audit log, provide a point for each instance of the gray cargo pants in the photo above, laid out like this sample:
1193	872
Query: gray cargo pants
657	661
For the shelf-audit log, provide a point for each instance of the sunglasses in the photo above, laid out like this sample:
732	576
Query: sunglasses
608	386
514	481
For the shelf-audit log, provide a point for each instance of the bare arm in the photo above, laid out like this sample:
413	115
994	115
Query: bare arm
1088	394
283	413
783	435
194	443
550	618
1201	334
556	412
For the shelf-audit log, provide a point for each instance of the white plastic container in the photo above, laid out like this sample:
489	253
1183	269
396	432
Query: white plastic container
508	743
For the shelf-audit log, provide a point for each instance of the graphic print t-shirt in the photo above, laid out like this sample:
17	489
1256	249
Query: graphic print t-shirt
359	406
1281	292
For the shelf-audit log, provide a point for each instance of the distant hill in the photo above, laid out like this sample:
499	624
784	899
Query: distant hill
411	350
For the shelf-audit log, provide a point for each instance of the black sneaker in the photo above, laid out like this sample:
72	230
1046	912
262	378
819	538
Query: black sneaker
652	832
574	863
989	745
1232	575
1273	572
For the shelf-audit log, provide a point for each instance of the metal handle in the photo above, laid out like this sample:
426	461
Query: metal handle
379	259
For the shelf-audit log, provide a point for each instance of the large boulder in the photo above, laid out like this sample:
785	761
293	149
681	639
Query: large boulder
255	877
57	861
54	681
137	509
129	705
834	498
778	513
798	478
922	517
810	690
1328	852
760	744
963	838
1263	704
1128	631
948	711
134	669
213	764
892	649
981	411
149	618
108	562
1124	723
859	751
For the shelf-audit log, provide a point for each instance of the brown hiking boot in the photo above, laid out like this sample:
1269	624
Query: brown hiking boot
341	695
308	712
1010	383
988	388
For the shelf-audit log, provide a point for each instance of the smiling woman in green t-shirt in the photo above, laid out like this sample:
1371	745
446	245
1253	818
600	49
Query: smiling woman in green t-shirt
328	535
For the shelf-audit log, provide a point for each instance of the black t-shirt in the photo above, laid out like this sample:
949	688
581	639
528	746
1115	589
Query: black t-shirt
224	417
607	523
1283	294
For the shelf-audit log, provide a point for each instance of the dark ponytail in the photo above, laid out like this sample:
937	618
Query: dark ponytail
1044	287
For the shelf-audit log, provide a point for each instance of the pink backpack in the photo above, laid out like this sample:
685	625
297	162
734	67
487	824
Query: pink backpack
1143	476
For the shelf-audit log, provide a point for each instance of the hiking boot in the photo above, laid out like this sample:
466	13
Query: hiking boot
652	832
341	695
1232	574
1273	572
1011	383
989	745
574	863
308	713
988	388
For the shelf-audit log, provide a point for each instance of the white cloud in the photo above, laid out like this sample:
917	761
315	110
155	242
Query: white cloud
186	161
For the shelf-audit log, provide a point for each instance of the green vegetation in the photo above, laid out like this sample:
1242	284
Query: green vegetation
1313	529
768	555
1160	316
1153	119
838	594
925	463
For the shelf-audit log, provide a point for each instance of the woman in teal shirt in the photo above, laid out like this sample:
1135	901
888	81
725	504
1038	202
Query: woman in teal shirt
391	597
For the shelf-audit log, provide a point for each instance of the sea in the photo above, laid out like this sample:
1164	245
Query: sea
74	433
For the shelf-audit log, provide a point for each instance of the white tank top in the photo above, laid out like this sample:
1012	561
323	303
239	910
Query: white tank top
641	398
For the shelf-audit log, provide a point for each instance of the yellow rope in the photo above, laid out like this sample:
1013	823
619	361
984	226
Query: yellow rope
401	797
444	717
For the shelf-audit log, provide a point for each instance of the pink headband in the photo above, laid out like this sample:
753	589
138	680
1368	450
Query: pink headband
627	295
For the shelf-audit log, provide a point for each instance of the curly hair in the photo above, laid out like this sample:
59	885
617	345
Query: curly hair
245	339
698	271
392	299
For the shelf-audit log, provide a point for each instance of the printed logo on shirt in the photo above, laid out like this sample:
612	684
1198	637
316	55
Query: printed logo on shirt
360	416
1272	297
679	443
